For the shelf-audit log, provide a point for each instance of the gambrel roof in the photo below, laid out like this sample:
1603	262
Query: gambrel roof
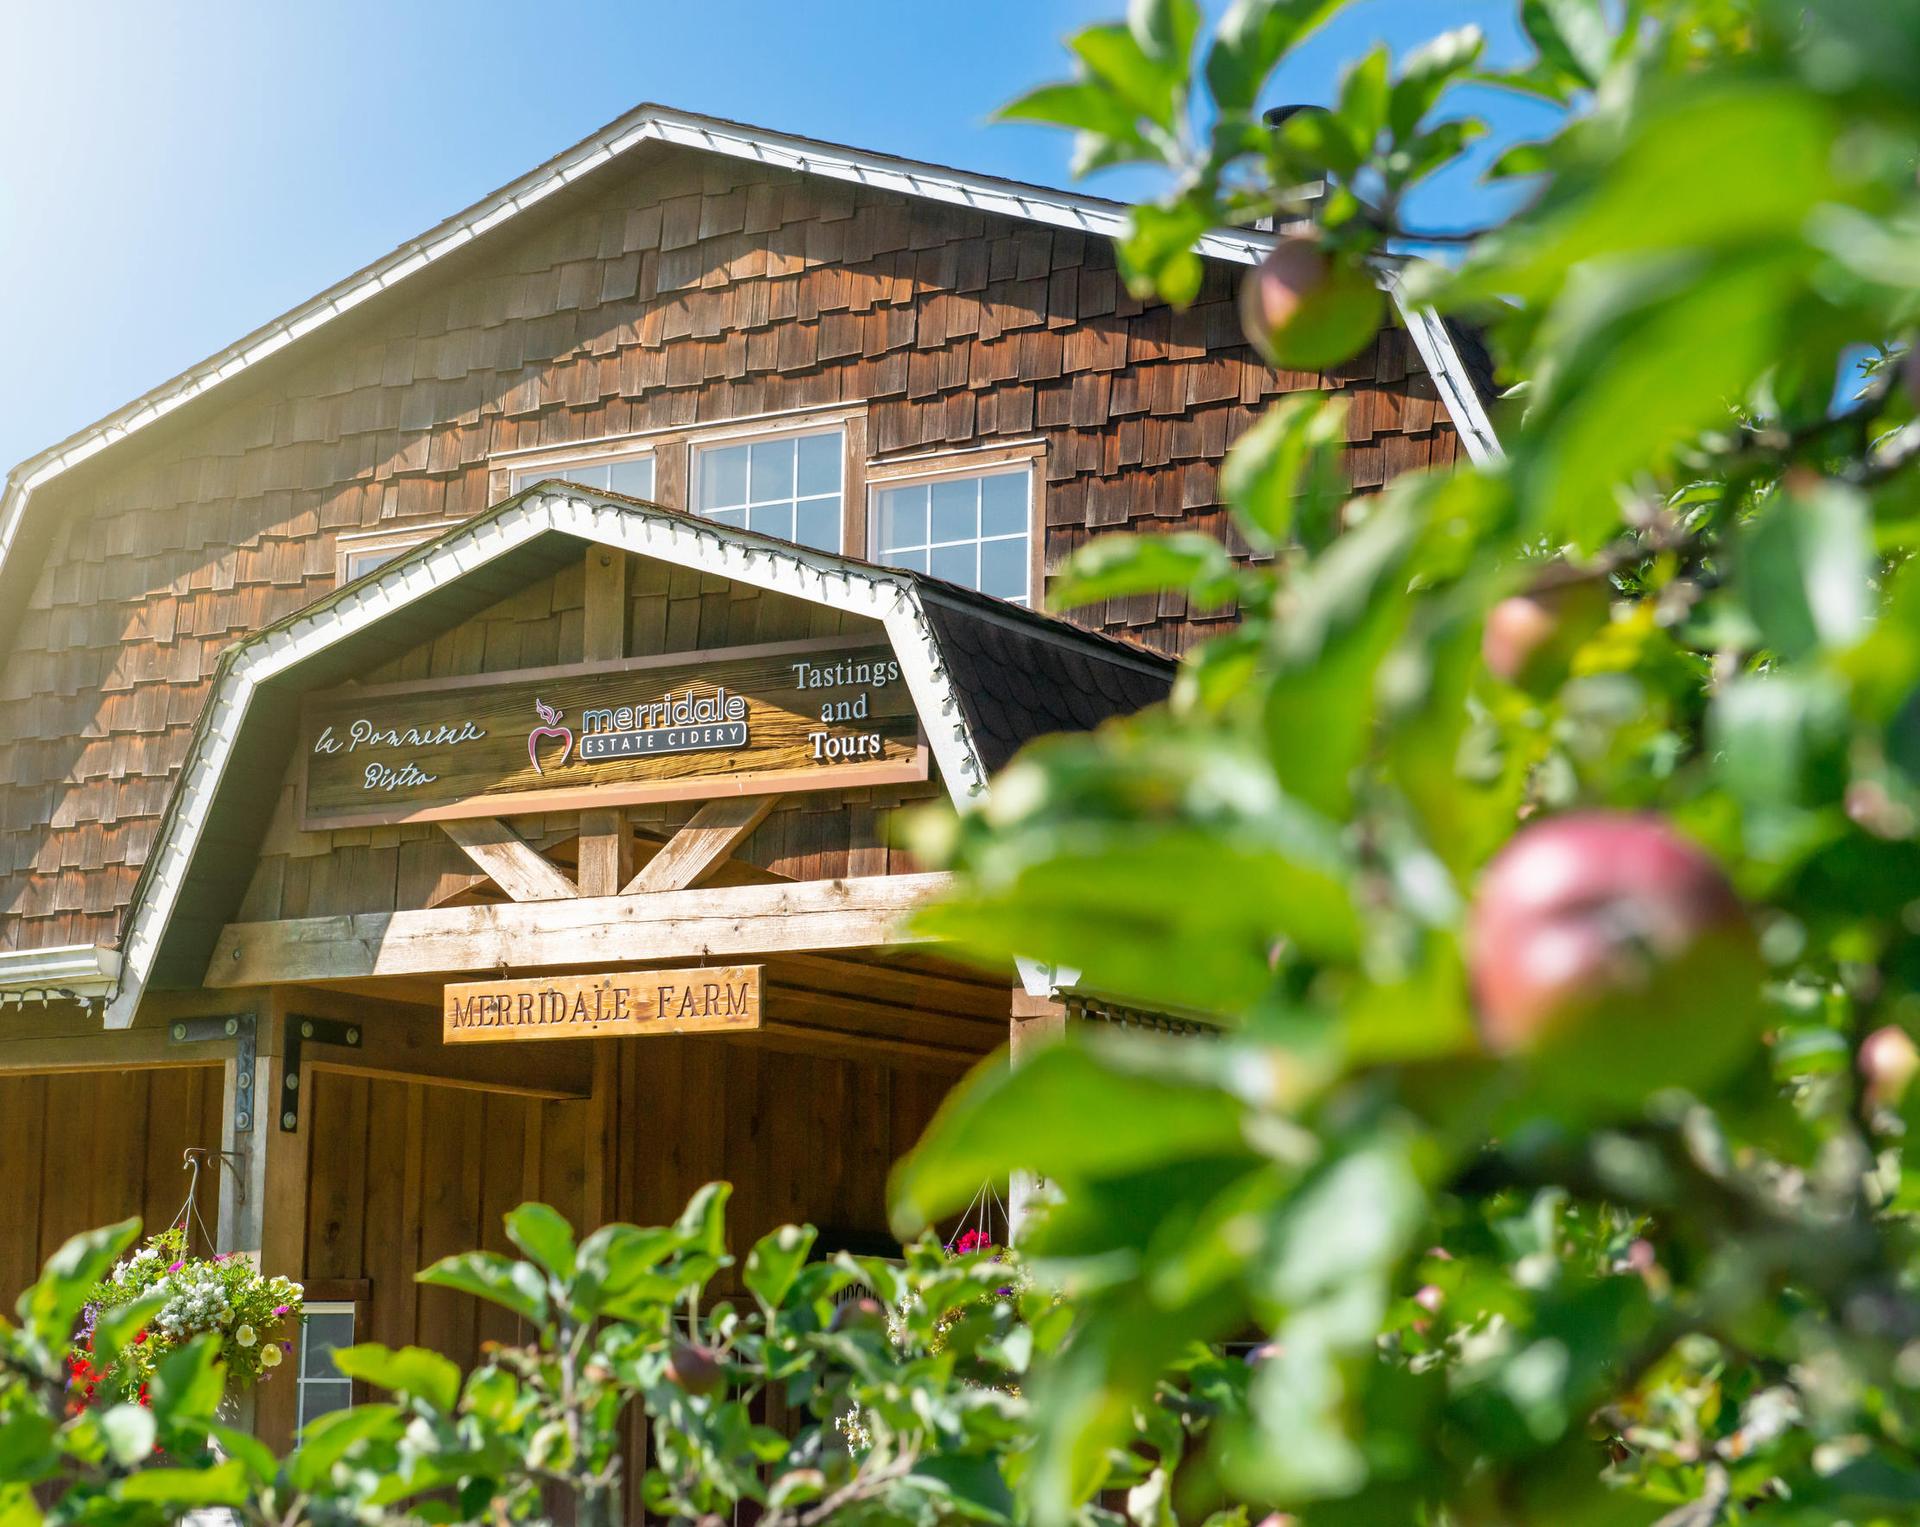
940	633
660	124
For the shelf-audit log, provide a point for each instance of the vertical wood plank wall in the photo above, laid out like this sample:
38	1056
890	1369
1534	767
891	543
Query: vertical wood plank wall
86	1148
403	1173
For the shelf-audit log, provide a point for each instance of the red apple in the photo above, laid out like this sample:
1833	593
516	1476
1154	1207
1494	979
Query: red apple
863	1314
1615	953
694	1368
1302	311
1293	270
1529	639
1888	1063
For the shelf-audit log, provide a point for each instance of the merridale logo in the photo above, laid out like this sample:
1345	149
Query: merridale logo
548	729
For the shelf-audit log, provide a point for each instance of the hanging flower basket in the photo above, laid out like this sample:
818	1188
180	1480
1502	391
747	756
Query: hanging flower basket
255	1317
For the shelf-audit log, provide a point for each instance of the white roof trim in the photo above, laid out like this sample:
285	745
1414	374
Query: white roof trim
1008	198
892	599
1458	396
76	970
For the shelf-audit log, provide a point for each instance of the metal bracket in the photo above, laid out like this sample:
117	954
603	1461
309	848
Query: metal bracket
306	1031
240	1029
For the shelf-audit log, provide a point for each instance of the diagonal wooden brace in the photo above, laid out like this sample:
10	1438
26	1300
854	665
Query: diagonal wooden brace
510	860
697	849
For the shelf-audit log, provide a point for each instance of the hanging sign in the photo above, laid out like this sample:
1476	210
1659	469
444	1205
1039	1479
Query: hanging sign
721	999
786	716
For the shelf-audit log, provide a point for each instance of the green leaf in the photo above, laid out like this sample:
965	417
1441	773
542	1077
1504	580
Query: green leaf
1347	610
1521	159
50	1306
1156	253
516	1285
1084	105
410	1371
1115	566
1572	35
1116	59
971	1484
130	1433
246	1449
27	1451
1363	98
1251	40
189	1382
618	1262
328	1439
703	1223
1780	742
1806	567
224	1484
775	1262
543	1234
114	1329
1094	897
1292	452
1735	168
1165	30
1352	1221
1426	74
1644	360
1034	1117
1314	142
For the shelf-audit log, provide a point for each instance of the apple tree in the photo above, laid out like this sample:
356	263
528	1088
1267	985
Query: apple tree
1542	841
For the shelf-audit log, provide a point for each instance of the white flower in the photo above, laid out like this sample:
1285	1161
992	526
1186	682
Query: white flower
244	1335
270	1356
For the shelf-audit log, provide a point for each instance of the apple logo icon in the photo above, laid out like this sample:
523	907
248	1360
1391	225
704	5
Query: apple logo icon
549	727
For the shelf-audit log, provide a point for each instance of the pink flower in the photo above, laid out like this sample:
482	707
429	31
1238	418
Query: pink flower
177	1266
281	1309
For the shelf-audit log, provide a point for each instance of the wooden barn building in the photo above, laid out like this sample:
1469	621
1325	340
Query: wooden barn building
449	740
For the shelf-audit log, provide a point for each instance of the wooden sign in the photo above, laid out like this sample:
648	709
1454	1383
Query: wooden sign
724	998
786	716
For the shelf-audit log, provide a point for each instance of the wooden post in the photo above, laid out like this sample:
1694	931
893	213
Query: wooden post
605	866
263	1204
1032	1023
606	846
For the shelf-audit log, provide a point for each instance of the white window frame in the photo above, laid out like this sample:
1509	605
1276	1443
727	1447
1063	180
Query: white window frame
978	461
394	540
351	1309
757	432
525	472
673	447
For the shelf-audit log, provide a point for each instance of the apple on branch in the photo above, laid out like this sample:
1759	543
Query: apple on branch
1612	955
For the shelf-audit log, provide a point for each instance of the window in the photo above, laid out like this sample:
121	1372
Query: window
324	1387
631	475
361	551
789	486
973	530
359	563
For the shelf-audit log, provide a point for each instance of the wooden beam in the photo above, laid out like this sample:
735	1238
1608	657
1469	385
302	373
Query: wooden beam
606	847
508	859
711	834
585	931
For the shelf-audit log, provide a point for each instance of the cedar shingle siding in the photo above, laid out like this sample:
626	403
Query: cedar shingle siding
679	289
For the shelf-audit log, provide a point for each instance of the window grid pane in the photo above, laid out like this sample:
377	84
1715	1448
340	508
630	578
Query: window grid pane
632	475
788	487
321	1386
967	530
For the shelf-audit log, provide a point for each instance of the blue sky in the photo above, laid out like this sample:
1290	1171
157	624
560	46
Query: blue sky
174	175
